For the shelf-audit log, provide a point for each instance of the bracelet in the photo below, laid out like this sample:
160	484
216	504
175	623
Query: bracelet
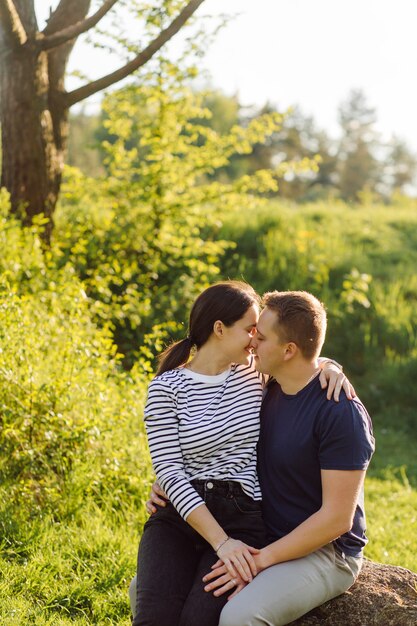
221	544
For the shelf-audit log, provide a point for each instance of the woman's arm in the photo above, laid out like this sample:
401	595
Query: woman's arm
236	555
162	427
332	377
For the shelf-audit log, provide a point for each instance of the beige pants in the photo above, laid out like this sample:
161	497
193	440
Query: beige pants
286	591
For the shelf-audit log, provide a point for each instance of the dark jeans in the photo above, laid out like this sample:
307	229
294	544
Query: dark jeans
173	557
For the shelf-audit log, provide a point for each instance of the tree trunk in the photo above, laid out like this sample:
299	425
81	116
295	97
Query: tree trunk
34	134
34	104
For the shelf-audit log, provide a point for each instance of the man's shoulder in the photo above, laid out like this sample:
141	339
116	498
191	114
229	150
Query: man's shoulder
345	435
343	405
345	415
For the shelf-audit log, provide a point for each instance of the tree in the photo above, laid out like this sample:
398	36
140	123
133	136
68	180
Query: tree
146	240
34	102
401	165
359	168
298	140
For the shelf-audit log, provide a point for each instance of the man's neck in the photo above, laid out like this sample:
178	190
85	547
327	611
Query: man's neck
296	375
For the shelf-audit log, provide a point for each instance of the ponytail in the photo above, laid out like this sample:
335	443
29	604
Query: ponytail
175	355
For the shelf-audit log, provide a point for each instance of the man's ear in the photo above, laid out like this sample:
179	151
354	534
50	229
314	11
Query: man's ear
218	328
291	349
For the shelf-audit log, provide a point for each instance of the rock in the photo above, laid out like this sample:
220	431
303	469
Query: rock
383	595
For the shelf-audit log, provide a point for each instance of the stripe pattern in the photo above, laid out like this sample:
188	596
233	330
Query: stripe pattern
204	427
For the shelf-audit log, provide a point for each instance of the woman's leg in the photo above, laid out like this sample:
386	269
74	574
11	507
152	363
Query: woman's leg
202	608
167	561
240	516
286	591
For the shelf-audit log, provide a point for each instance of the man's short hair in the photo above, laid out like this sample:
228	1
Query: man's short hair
301	318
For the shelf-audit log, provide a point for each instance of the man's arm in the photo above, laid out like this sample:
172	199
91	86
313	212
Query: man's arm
340	495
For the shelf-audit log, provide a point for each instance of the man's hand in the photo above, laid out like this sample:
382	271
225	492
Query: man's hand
222	581
157	496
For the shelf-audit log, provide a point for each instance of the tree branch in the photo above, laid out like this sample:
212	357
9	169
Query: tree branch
62	36
67	12
165	35
12	24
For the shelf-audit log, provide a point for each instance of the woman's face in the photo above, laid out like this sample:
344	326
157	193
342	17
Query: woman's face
236	339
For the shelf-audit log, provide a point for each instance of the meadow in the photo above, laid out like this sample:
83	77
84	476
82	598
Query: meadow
74	468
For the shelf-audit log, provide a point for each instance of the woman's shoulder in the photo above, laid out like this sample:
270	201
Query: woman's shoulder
167	381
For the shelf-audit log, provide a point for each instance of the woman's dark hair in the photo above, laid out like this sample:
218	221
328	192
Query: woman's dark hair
226	301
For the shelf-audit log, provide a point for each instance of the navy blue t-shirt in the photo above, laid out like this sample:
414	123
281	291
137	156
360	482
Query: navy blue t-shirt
300	435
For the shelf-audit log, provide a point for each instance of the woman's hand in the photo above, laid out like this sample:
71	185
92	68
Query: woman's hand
237	558
334	379
222	581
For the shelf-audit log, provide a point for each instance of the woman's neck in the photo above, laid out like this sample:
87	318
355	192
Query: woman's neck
208	361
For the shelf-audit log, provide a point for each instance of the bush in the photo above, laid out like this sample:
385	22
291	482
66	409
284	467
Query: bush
63	394
360	261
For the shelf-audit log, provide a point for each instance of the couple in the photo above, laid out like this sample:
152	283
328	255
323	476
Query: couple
305	545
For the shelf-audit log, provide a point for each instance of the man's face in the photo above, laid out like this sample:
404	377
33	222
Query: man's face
269	351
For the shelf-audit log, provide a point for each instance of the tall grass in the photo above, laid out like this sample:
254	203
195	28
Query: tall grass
75	468
361	260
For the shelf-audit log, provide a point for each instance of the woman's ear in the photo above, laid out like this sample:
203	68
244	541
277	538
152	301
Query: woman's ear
218	328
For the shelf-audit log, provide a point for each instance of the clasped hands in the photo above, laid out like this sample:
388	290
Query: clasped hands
221	581
236	565
234	569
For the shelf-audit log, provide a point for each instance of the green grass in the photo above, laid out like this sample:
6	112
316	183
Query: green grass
73	571
391	508
391	499
75	568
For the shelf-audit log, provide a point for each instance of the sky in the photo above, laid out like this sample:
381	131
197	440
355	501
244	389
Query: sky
308	53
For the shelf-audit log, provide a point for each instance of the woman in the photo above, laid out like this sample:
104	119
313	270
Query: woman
202	421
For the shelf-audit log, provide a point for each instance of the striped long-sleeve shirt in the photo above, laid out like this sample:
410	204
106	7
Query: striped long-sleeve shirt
204	427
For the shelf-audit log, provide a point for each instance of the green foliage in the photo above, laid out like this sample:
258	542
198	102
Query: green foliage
62	393
83	145
148	231
359	262
357	167
74	469
392	526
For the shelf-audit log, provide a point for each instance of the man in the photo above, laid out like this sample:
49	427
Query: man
312	458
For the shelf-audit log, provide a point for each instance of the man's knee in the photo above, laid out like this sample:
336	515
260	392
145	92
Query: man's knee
233	615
